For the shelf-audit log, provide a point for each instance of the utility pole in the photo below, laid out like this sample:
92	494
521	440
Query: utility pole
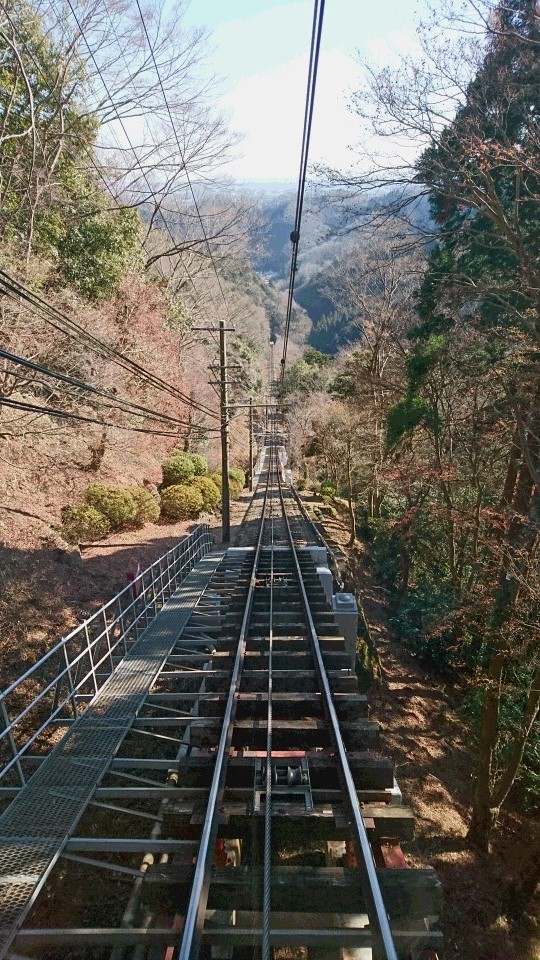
251	444
224	414
224	422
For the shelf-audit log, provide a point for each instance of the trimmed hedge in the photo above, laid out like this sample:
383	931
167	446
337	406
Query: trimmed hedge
327	489
115	503
235	473
211	494
181	502
200	464
83	524
235	485
176	469
147	506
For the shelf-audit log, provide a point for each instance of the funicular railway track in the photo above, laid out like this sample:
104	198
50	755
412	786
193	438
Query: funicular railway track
242	809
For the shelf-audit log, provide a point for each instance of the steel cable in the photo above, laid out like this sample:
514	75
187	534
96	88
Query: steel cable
316	33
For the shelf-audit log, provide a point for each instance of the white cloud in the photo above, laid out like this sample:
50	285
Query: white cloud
387	50
269	108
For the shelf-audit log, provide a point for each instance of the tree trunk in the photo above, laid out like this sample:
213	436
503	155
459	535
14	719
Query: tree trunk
352	514
489	796
484	815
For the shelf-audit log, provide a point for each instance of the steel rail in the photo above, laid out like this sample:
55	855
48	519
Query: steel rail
195	912
332	560
383	947
267	854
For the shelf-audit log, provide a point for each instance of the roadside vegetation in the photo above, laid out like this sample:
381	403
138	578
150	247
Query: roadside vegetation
426	426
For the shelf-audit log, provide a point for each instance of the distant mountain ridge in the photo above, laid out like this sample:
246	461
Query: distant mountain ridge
330	231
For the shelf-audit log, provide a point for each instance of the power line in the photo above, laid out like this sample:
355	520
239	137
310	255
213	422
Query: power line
316	32
173	240
118	403
115	108
60	321
64	415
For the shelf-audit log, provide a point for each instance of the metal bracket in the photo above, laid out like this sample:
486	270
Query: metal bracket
287	781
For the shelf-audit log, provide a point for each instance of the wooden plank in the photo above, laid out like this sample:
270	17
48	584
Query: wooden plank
409	894
327	820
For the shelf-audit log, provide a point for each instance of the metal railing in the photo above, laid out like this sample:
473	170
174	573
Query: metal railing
57	689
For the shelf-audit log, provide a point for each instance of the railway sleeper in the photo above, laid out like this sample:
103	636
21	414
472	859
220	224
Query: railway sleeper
291	825
411	895
369	771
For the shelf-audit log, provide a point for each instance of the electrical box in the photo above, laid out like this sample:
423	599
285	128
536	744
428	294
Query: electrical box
317	554
345	610
327	582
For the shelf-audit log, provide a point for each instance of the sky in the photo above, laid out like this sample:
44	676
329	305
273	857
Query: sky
259	49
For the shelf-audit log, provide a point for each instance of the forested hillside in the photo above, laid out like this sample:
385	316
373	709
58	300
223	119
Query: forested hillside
412	382
335	227
108	243
118	236
427	425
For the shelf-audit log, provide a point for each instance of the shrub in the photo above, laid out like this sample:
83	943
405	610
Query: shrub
181	502
200	464
177	468
147	506
115	503
235	484
235	488
83	524
235	473
211	494
301	483
327	489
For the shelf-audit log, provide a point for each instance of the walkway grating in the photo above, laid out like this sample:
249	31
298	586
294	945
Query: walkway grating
39	820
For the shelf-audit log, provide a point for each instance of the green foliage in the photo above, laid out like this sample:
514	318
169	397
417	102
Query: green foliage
45	132
115	503
211	494
307	375
315	358
385	551
146	504
327	488
235	473
301	483
510	716
181	502
236	481
83	524
200	464
406	415
420	623
421	362
235	488
177	468
96	252
364	668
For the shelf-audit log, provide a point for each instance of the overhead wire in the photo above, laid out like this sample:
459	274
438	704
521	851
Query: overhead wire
316	33
60	321
117	402
66	415
10	283
138	163
163	219
117	113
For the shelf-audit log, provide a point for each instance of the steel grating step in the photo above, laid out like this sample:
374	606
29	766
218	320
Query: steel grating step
35	826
